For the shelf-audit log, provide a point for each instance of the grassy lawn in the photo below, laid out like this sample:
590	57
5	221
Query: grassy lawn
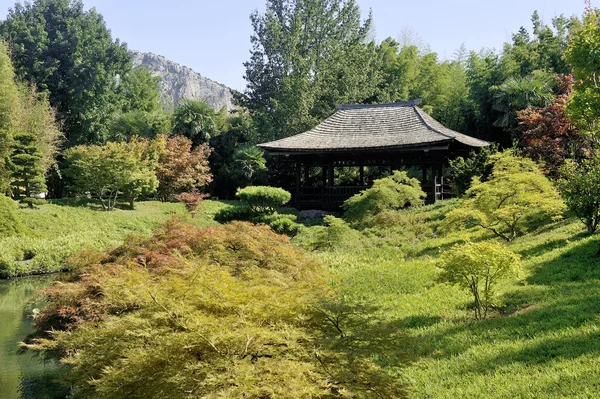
64	227
543	340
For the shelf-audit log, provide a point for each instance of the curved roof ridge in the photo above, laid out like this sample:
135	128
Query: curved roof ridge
418	111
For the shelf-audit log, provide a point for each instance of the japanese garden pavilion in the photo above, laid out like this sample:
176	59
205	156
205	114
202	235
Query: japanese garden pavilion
366	138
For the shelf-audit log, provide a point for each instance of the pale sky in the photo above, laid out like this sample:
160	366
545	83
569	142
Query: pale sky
213	36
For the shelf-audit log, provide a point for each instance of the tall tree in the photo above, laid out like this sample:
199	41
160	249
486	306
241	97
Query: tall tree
306	56
69	53
583	54
9	99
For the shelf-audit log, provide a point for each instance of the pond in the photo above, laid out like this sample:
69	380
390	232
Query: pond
23	375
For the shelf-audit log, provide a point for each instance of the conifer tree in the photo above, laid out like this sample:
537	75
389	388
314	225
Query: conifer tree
27	172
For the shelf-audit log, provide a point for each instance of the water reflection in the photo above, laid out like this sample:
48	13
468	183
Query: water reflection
23	376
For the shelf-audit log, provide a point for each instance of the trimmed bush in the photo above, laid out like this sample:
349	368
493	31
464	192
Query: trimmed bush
263	199
283	224
334	235
280	223
241	213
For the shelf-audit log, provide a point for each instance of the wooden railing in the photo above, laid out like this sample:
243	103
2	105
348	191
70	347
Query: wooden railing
322	197
332	198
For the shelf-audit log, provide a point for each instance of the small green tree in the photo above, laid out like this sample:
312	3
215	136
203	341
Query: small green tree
516	196
263	199
580	188
390	193
110	169
479	267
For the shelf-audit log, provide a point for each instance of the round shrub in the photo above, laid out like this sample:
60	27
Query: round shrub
283	224
263	199
390	193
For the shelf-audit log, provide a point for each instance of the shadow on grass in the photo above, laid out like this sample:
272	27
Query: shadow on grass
551	245
547	322
576	264
77	203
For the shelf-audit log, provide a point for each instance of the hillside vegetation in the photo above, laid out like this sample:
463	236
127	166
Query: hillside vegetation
55	231
541	340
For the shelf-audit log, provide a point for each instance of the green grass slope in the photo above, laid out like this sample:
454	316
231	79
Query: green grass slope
62	228
542	341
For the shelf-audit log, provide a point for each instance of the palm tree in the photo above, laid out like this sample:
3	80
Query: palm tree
518	93
195	120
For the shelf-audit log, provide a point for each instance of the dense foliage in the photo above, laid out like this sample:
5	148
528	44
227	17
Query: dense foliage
230	311
306	57
10	223
29	135
582	53
114	168
68	53
478	267
390	193
462	170
548	134
180	168
516	197
580	188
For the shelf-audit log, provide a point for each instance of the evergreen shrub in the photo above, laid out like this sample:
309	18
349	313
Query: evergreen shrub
263	199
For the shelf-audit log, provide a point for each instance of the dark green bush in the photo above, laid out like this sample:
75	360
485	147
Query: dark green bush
241	213
280	223
263	199
477	164
10	224
283	224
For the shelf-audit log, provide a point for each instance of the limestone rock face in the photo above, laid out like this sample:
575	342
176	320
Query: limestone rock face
179	82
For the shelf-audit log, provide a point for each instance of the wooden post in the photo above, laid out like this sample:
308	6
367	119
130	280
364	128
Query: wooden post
434	181
331	175
306	175
440	174
298	170
362	175
324	176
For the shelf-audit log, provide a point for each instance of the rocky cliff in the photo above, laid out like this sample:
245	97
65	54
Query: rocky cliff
180	82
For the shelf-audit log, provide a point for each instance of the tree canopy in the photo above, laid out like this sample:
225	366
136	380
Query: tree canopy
306	57
68	53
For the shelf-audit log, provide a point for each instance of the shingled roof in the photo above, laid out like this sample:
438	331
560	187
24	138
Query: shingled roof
381	126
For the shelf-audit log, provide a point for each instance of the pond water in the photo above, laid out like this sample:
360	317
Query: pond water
23	375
